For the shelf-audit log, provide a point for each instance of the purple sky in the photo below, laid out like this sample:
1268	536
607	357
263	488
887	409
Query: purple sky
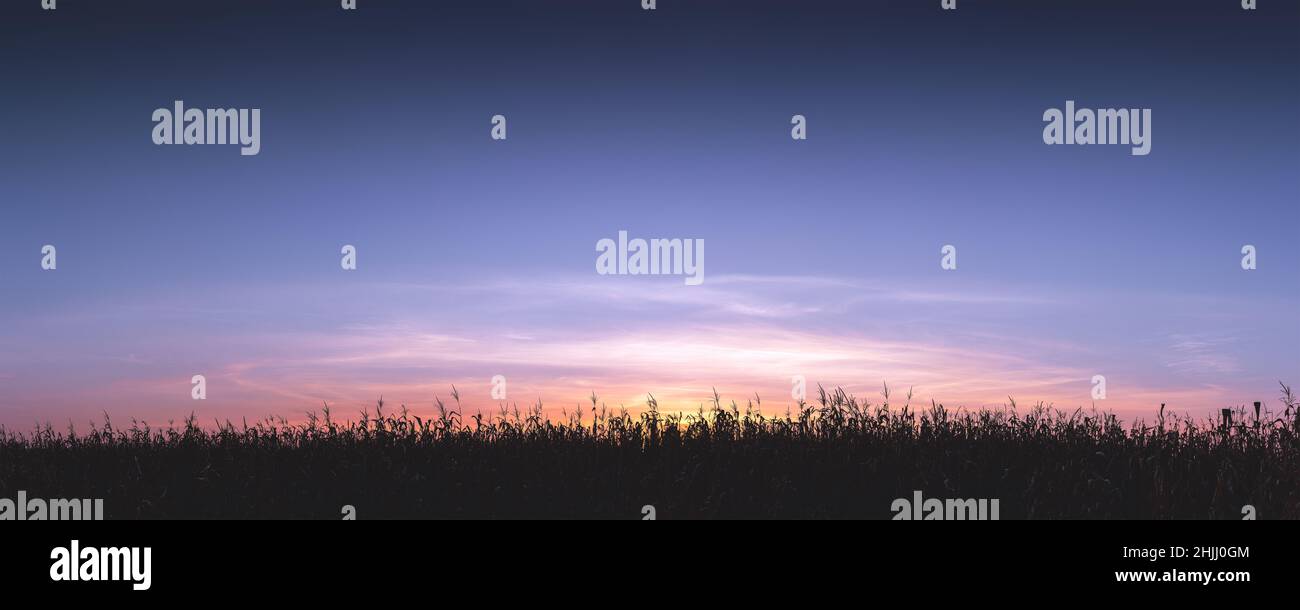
476	257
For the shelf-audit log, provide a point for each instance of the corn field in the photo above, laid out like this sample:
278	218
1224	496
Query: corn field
838	457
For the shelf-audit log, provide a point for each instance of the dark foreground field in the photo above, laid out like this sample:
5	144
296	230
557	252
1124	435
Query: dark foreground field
839	458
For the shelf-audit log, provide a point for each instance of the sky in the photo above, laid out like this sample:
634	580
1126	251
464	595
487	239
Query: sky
476	257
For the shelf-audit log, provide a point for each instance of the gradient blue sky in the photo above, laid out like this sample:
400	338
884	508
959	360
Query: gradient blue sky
477	257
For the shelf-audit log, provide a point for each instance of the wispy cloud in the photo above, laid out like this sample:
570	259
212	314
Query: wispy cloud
1202	354
287	349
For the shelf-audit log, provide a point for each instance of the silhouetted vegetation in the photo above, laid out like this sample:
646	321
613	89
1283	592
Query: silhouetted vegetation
840	457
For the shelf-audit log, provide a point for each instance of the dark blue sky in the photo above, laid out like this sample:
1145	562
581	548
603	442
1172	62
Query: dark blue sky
476	256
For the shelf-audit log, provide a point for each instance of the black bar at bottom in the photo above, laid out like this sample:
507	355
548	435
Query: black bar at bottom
302	560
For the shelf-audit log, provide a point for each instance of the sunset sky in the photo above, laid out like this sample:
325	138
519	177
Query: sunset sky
476	257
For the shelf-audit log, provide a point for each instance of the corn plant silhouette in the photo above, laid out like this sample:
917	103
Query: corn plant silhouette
837	457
